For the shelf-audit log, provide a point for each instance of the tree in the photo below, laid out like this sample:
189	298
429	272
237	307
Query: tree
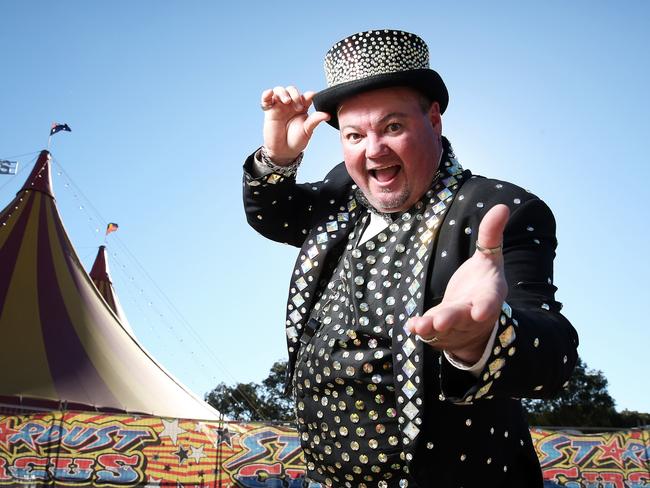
253	402
632	418
584	403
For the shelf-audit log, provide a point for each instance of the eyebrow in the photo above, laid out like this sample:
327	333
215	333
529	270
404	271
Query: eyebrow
379	122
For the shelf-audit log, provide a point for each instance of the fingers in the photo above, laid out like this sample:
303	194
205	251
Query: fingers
435	327
308	97
313	120
490	231
288	96
280	94
438	320
445	317
422	326
296	98
450	329
266	100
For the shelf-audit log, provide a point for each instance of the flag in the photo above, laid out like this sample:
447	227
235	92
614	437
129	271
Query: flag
8	167
59	127
111	227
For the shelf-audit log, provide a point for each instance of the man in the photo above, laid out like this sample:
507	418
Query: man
421	305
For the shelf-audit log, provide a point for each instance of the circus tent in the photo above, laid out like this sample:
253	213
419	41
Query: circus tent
64	343
101	277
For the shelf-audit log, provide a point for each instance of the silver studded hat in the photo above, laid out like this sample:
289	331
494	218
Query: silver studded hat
378	59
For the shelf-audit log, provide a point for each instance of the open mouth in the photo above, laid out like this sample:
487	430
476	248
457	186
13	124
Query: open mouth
385	175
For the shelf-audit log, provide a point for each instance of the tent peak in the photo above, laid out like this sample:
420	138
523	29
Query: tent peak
99	271
40	179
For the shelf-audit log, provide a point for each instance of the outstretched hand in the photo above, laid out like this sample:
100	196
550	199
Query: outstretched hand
463	321
287	126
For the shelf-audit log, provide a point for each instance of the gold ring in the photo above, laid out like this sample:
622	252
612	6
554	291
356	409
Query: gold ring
489	250
429	341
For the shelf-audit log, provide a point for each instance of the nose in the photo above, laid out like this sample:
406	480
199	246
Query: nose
375	147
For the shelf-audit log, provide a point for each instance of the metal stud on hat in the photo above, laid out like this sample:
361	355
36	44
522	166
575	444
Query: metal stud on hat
378	59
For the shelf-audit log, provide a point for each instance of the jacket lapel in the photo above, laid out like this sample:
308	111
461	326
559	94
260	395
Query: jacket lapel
318	256
407	348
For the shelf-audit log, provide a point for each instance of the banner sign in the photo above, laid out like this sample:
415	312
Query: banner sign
611	460
84	449
87	449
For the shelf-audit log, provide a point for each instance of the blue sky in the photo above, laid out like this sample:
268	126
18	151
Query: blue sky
163	101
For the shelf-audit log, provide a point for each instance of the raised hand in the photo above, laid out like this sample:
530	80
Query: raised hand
287	125
463	321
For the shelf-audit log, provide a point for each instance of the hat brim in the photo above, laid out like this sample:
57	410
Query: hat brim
426	81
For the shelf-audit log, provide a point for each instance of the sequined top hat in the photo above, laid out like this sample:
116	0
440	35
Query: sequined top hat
378	59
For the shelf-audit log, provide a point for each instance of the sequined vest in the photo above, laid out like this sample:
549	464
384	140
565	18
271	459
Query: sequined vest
345	379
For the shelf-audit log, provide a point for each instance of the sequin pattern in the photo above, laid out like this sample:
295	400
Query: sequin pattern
343	380
349	392
373	53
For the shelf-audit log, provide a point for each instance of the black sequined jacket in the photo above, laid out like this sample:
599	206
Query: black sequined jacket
472	431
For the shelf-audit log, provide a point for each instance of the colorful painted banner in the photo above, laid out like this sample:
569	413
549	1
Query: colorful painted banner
611	460
85	449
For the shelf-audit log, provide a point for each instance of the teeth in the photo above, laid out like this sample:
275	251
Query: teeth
385	174
374	171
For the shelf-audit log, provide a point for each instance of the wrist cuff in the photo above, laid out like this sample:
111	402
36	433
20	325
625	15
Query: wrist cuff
286	170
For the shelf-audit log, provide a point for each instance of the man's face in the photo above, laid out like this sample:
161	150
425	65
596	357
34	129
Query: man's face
391	146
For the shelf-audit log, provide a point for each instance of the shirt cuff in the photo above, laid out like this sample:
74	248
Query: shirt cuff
262	165
478	366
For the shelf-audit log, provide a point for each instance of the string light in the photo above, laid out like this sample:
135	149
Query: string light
126	271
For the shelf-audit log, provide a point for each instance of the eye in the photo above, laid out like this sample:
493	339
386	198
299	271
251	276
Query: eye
353	137
393	127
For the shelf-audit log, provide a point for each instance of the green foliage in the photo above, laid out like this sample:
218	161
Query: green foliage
584	403
631	418
255	402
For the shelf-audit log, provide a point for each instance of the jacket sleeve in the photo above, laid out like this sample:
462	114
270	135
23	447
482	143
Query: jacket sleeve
283	210
535	349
